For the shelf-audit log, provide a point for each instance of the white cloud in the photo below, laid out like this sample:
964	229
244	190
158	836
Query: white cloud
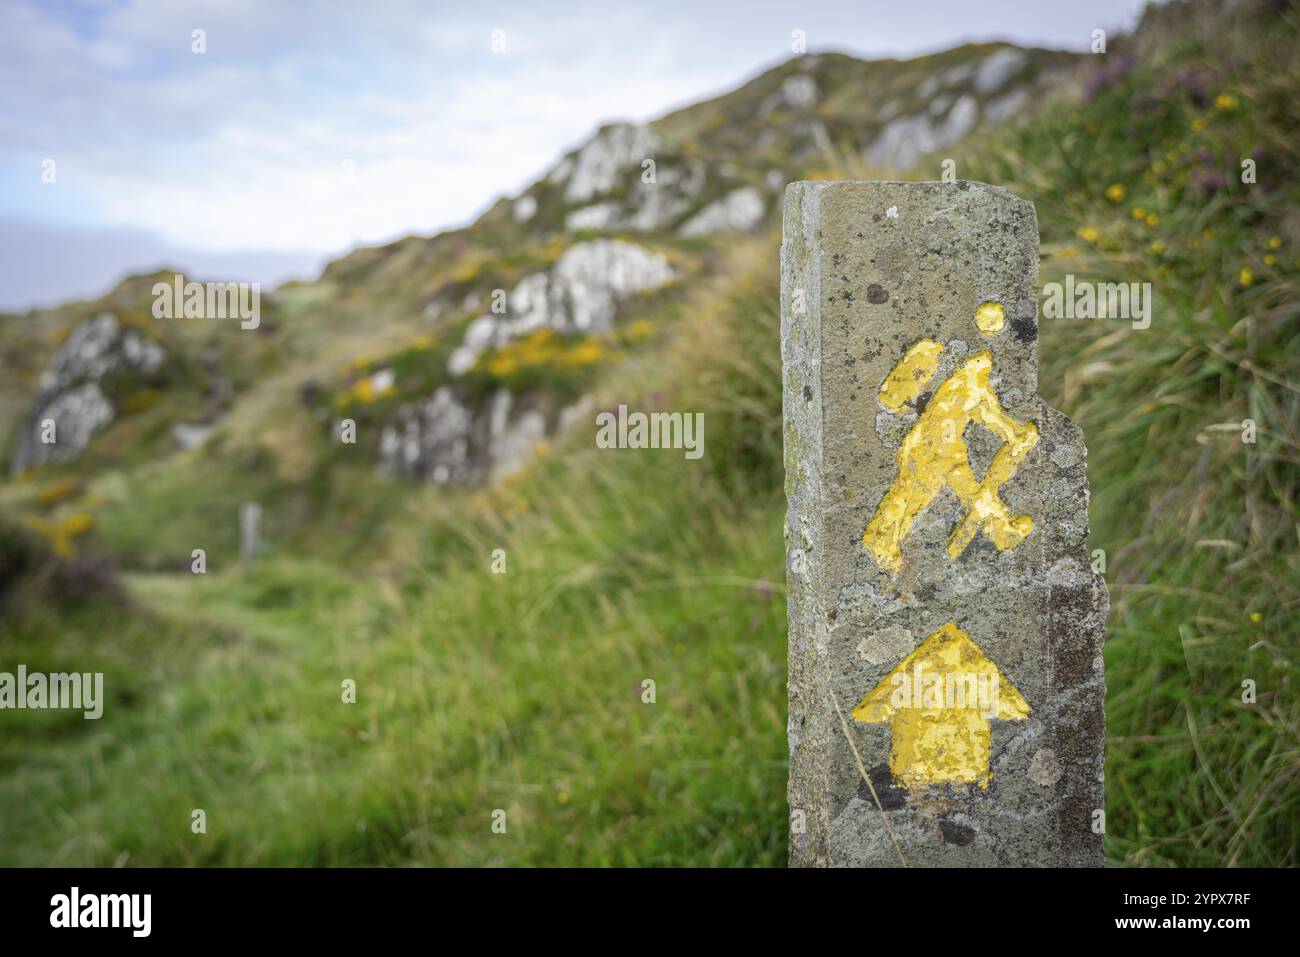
233	151
242	147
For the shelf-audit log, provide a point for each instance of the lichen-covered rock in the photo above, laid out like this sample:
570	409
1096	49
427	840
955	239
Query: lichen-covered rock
71	395
595	216
1001	107
449	439
903	141
512	438
799	92
98	346
191	435
741	211
580	293
995	71
649	204
614	151
430	440
524	209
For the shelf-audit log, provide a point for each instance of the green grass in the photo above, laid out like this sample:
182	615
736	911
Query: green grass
523	691
1200	529
475	691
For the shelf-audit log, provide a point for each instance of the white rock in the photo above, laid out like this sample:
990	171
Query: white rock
958	74
562	171
997	110
606	156
430	440
579	294
189	436
905	140
799	92
78	414
741	210
596	216
85	354
961	120
594	276
525	208
69	391
511	444
997	69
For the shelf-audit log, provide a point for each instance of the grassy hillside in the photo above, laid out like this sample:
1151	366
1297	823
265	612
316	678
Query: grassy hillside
524	691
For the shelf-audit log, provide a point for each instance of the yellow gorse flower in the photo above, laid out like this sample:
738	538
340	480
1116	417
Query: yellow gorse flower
543	348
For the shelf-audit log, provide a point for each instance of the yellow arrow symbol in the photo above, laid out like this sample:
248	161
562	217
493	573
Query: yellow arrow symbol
938	702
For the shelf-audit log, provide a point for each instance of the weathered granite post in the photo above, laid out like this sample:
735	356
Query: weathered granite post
946	685
250	528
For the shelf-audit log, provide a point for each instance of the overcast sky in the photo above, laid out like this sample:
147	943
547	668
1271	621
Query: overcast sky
308	128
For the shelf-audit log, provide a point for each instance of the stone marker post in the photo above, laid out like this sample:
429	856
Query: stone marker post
946	624
250	527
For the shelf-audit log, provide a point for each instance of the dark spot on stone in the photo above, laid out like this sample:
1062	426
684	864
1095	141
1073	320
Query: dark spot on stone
980	551
848	296
1024	329
807	393
921	402
954	833
832	615
890	794
876	293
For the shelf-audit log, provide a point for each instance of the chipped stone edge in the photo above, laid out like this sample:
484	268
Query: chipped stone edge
802	430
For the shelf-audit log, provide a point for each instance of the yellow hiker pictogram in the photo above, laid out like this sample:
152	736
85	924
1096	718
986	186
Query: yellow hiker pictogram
934	455
938	702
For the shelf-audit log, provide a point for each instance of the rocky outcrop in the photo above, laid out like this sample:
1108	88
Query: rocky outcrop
430	440
71	394
901	142
445	439
741	211
604	158
647	205
953	109
454	437
997	69
580	293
